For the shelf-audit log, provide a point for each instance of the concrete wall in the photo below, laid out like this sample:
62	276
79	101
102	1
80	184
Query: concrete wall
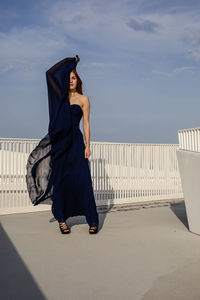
189	167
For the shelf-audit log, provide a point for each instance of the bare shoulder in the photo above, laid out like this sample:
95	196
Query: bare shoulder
85	101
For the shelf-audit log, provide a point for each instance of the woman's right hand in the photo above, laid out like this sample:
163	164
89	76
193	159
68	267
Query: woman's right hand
76	57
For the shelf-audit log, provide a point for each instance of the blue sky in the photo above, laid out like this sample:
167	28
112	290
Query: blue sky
139	63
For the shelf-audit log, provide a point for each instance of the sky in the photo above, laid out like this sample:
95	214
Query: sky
139	63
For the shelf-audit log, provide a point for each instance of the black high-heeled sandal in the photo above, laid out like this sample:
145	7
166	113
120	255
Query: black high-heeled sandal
64	228
93	229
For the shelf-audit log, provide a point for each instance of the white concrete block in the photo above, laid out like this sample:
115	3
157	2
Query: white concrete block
189	167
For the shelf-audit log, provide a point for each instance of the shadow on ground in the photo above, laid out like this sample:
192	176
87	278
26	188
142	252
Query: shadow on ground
16	282
180	211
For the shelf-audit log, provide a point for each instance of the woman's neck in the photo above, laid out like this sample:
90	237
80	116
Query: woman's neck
72	93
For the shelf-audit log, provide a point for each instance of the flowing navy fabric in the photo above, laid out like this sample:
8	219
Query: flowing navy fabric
57	170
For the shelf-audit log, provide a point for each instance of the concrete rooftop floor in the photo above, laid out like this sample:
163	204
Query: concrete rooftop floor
141	252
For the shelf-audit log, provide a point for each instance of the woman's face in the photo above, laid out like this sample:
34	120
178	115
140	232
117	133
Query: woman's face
73	81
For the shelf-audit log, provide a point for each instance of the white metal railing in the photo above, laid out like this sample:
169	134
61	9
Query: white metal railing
189	139
121	173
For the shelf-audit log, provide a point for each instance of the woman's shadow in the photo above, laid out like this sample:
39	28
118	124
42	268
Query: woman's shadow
103	192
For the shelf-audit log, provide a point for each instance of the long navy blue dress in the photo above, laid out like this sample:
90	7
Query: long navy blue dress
57	170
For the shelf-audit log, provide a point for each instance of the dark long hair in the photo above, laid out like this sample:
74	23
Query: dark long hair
79	83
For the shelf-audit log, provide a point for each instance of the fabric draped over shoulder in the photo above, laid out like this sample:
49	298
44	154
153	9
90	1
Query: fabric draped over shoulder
40	172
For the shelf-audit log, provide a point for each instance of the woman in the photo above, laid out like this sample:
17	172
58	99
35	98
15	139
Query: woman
58	168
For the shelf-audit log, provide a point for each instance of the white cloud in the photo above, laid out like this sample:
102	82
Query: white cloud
6	68
29	48
172	73
101	65
162	73
72	26
183	69
89	25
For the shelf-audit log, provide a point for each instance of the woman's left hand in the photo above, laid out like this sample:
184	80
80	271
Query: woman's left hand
87	152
